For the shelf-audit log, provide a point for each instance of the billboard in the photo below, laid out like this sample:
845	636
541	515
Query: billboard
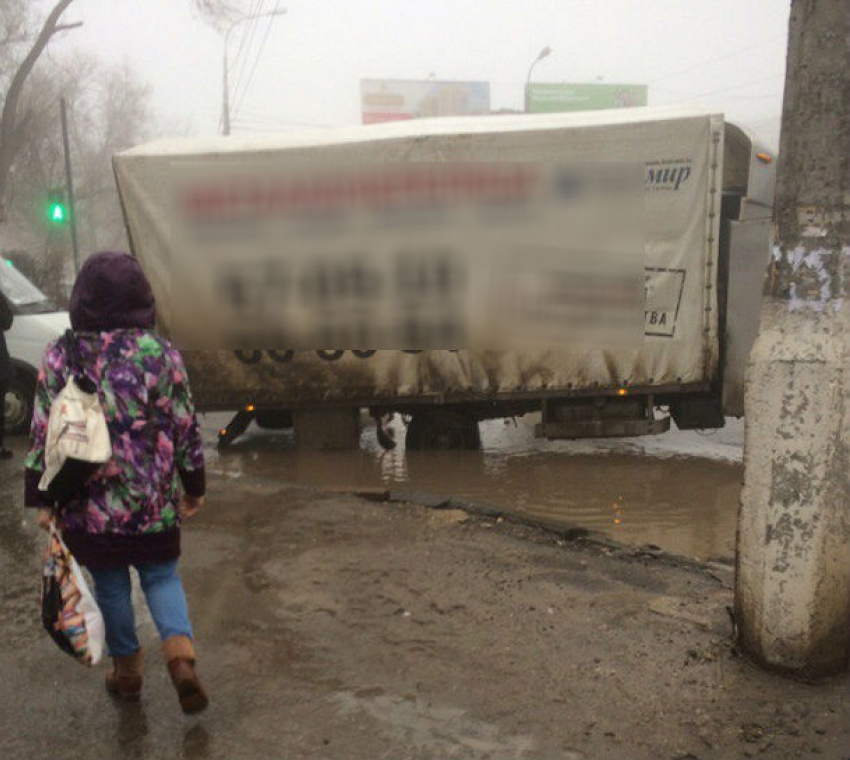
402	99
555	98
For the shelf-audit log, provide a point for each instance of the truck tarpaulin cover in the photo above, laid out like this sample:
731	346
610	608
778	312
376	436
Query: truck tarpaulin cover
237	275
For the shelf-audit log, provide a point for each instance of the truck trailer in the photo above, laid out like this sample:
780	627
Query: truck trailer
705	195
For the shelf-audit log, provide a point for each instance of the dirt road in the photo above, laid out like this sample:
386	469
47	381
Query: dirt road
331	626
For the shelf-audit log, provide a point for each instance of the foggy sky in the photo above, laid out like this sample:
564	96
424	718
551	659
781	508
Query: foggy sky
725	55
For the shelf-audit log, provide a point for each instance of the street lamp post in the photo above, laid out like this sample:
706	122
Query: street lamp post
540	56
225	83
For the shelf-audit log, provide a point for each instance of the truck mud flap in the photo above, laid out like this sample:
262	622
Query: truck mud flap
235	428
697	413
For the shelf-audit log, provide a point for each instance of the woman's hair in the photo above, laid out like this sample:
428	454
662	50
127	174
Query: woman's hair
111	293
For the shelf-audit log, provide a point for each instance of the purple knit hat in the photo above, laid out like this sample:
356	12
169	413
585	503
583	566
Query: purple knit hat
111	293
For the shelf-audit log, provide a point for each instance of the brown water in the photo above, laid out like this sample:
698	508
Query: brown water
678	491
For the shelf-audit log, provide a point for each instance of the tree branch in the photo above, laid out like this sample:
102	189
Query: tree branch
65	27
11	40
16	86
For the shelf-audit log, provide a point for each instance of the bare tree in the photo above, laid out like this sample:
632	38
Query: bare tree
111	114
12	126
109	111
13	25
218	13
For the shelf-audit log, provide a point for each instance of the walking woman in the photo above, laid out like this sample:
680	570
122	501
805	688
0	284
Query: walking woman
131	511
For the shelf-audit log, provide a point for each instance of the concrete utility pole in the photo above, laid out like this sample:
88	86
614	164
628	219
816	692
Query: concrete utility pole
792	595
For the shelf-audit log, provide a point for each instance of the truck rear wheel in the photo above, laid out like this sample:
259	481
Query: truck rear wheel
442	429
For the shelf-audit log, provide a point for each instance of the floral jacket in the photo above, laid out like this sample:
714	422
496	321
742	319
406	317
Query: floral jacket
144	392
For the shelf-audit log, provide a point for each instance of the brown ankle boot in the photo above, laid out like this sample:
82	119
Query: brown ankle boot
125	679
180	656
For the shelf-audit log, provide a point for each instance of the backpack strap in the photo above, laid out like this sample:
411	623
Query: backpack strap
75	363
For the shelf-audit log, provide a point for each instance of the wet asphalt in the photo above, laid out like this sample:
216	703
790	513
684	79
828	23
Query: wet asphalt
331	626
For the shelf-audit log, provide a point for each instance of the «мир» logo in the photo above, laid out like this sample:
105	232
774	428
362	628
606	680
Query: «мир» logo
667	174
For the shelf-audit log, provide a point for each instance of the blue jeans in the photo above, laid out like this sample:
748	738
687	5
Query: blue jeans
165	597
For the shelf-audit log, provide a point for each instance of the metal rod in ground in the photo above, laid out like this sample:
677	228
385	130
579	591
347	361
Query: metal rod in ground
69	185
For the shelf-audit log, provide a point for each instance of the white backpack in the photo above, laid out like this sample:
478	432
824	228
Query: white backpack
77	437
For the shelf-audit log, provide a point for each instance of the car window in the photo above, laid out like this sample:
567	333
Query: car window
17	288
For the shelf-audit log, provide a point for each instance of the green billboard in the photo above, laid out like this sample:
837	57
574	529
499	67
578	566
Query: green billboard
555	98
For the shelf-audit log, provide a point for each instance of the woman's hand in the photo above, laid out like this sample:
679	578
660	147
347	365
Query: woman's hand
190	505
45	517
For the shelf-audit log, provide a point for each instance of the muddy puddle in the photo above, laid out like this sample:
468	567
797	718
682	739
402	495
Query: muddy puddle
678	491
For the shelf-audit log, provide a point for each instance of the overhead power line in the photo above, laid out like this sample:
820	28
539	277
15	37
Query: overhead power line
241	42
717	58
741	86
241	98
247	41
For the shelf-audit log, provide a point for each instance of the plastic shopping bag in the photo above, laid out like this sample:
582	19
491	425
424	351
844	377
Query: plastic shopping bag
69	612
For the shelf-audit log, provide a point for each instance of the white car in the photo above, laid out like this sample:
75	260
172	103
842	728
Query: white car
37	322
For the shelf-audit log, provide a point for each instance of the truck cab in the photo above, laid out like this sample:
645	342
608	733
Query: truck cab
749	181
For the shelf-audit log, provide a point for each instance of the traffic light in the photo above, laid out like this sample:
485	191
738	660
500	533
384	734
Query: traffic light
57	209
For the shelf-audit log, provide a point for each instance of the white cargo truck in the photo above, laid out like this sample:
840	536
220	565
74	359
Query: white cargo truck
705	192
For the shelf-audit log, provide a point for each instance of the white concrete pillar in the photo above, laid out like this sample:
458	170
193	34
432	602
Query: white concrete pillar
793	571
792	594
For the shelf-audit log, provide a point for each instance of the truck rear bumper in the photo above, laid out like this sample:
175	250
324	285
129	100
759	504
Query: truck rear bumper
610	428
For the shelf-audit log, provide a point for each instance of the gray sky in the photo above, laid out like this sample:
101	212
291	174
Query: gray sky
726	55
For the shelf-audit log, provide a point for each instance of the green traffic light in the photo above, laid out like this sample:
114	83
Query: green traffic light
57	211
